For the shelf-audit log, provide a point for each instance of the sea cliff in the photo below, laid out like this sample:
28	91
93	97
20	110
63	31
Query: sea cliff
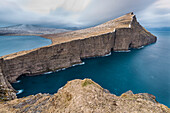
69	48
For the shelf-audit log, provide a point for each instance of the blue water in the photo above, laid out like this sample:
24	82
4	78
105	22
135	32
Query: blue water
143	71
12	44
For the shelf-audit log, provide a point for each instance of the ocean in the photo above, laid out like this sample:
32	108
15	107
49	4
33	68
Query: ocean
144	70
12	44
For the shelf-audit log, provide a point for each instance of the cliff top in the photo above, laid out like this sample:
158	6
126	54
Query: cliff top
110	26
85	96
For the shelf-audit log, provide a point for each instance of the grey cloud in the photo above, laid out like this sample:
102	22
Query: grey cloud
156	16
103	10
96	12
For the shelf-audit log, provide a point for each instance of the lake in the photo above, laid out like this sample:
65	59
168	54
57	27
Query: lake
145	70
12	44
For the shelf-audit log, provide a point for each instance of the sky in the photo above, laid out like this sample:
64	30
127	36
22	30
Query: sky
83	13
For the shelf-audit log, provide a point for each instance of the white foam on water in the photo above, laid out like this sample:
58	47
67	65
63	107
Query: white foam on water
58	70
18	81
71	66
20	91
48	72
123	51
63	69
141	47
60	88
78	64
107	55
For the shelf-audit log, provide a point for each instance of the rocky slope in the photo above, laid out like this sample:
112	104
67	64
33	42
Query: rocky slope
69	48
85	96
6	90
29	29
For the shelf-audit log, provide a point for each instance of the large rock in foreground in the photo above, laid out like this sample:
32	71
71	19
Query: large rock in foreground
85	96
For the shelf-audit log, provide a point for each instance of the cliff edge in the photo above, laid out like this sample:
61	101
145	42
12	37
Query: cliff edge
69	48
85	96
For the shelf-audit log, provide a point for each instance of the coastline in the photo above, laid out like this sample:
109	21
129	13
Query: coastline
71	47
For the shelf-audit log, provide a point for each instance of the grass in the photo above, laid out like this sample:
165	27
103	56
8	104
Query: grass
87	82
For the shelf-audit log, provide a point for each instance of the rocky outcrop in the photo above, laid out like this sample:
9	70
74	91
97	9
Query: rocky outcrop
6	90
85	96
69	48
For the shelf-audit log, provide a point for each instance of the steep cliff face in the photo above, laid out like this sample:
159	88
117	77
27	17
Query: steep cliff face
85	96
57	56
133	37
69	48
6	90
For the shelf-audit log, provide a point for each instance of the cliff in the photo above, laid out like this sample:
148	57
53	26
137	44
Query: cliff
85	96
6	90
69	48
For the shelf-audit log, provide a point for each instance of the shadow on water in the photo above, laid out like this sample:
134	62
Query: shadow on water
142	71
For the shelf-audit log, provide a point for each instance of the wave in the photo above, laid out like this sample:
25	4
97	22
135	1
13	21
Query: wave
48	73
20	91
107	54
78	64
127	51
18	81
141	47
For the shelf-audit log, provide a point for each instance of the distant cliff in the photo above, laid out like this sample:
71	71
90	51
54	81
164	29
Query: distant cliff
26	29
69	48
6	90
85	96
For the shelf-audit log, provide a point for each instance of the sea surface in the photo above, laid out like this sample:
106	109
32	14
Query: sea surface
12	44
145	70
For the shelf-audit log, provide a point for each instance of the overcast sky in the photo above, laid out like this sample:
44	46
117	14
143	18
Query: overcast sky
79	13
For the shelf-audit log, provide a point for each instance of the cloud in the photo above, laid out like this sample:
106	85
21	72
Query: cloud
76	13
156	15
101	11
46	6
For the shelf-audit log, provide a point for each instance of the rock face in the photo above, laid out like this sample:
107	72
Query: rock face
85	96
69	48
6	90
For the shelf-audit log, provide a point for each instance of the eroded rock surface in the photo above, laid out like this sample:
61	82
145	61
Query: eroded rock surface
85	96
